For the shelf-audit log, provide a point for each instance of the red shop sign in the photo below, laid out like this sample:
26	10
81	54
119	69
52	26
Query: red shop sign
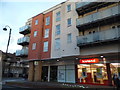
92	60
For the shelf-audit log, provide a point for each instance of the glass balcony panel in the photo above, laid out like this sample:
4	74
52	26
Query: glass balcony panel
110	34
81	4
23	40
22	52
98	15
24	28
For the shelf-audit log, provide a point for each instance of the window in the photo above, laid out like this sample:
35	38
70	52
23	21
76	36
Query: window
36	22
35	33
47	20
58	16
45	46
68	8
69	38
57	43
33	46
46	33
69	22
58	29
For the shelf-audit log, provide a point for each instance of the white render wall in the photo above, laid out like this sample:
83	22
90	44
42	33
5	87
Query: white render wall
65	48
111	48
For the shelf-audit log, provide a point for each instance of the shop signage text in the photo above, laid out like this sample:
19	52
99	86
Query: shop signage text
93	60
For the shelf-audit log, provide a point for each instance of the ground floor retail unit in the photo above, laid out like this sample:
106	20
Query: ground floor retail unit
92	70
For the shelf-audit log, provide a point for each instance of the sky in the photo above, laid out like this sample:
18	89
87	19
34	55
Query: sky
15	13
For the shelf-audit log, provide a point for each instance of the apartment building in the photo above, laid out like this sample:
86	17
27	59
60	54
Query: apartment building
98	24
24	42
76	42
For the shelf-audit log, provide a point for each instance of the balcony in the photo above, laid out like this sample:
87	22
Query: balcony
107	16
24	30
23	41
99	37
22	52
86	7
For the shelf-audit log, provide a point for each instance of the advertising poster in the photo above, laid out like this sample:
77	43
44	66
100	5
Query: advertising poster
84	72
99	72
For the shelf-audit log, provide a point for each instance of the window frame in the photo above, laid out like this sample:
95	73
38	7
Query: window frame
69	38
57	44
34	46
47	20
57	31
46	33
36	22
58	18
35	33
45	47
69	22
68	7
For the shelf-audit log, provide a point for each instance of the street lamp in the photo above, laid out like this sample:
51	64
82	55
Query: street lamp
5	29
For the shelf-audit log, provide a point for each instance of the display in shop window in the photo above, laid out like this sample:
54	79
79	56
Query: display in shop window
99	73
84	73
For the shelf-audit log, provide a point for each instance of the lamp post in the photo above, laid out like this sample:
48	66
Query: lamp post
5	29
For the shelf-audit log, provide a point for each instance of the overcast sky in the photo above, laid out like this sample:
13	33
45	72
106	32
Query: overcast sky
15	14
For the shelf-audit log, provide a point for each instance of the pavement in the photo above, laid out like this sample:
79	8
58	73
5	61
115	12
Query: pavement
22	83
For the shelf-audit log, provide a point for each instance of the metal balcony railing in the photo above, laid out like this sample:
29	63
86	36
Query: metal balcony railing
102	36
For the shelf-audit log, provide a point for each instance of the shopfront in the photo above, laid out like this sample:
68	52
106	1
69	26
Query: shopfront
93	71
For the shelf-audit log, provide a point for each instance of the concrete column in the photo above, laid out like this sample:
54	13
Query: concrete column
38	71
49	73
31	71
109	74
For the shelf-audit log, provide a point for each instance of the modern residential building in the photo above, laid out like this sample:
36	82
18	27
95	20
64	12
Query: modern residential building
24	42
76	42
98	24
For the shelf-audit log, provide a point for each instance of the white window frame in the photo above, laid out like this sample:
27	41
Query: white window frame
58	18
69	23
46	35
69	38
68	8
33	46
47	21
35	33
57	43
45	48
36	22
57	32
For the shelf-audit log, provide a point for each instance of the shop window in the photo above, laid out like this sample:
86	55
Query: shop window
92	73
